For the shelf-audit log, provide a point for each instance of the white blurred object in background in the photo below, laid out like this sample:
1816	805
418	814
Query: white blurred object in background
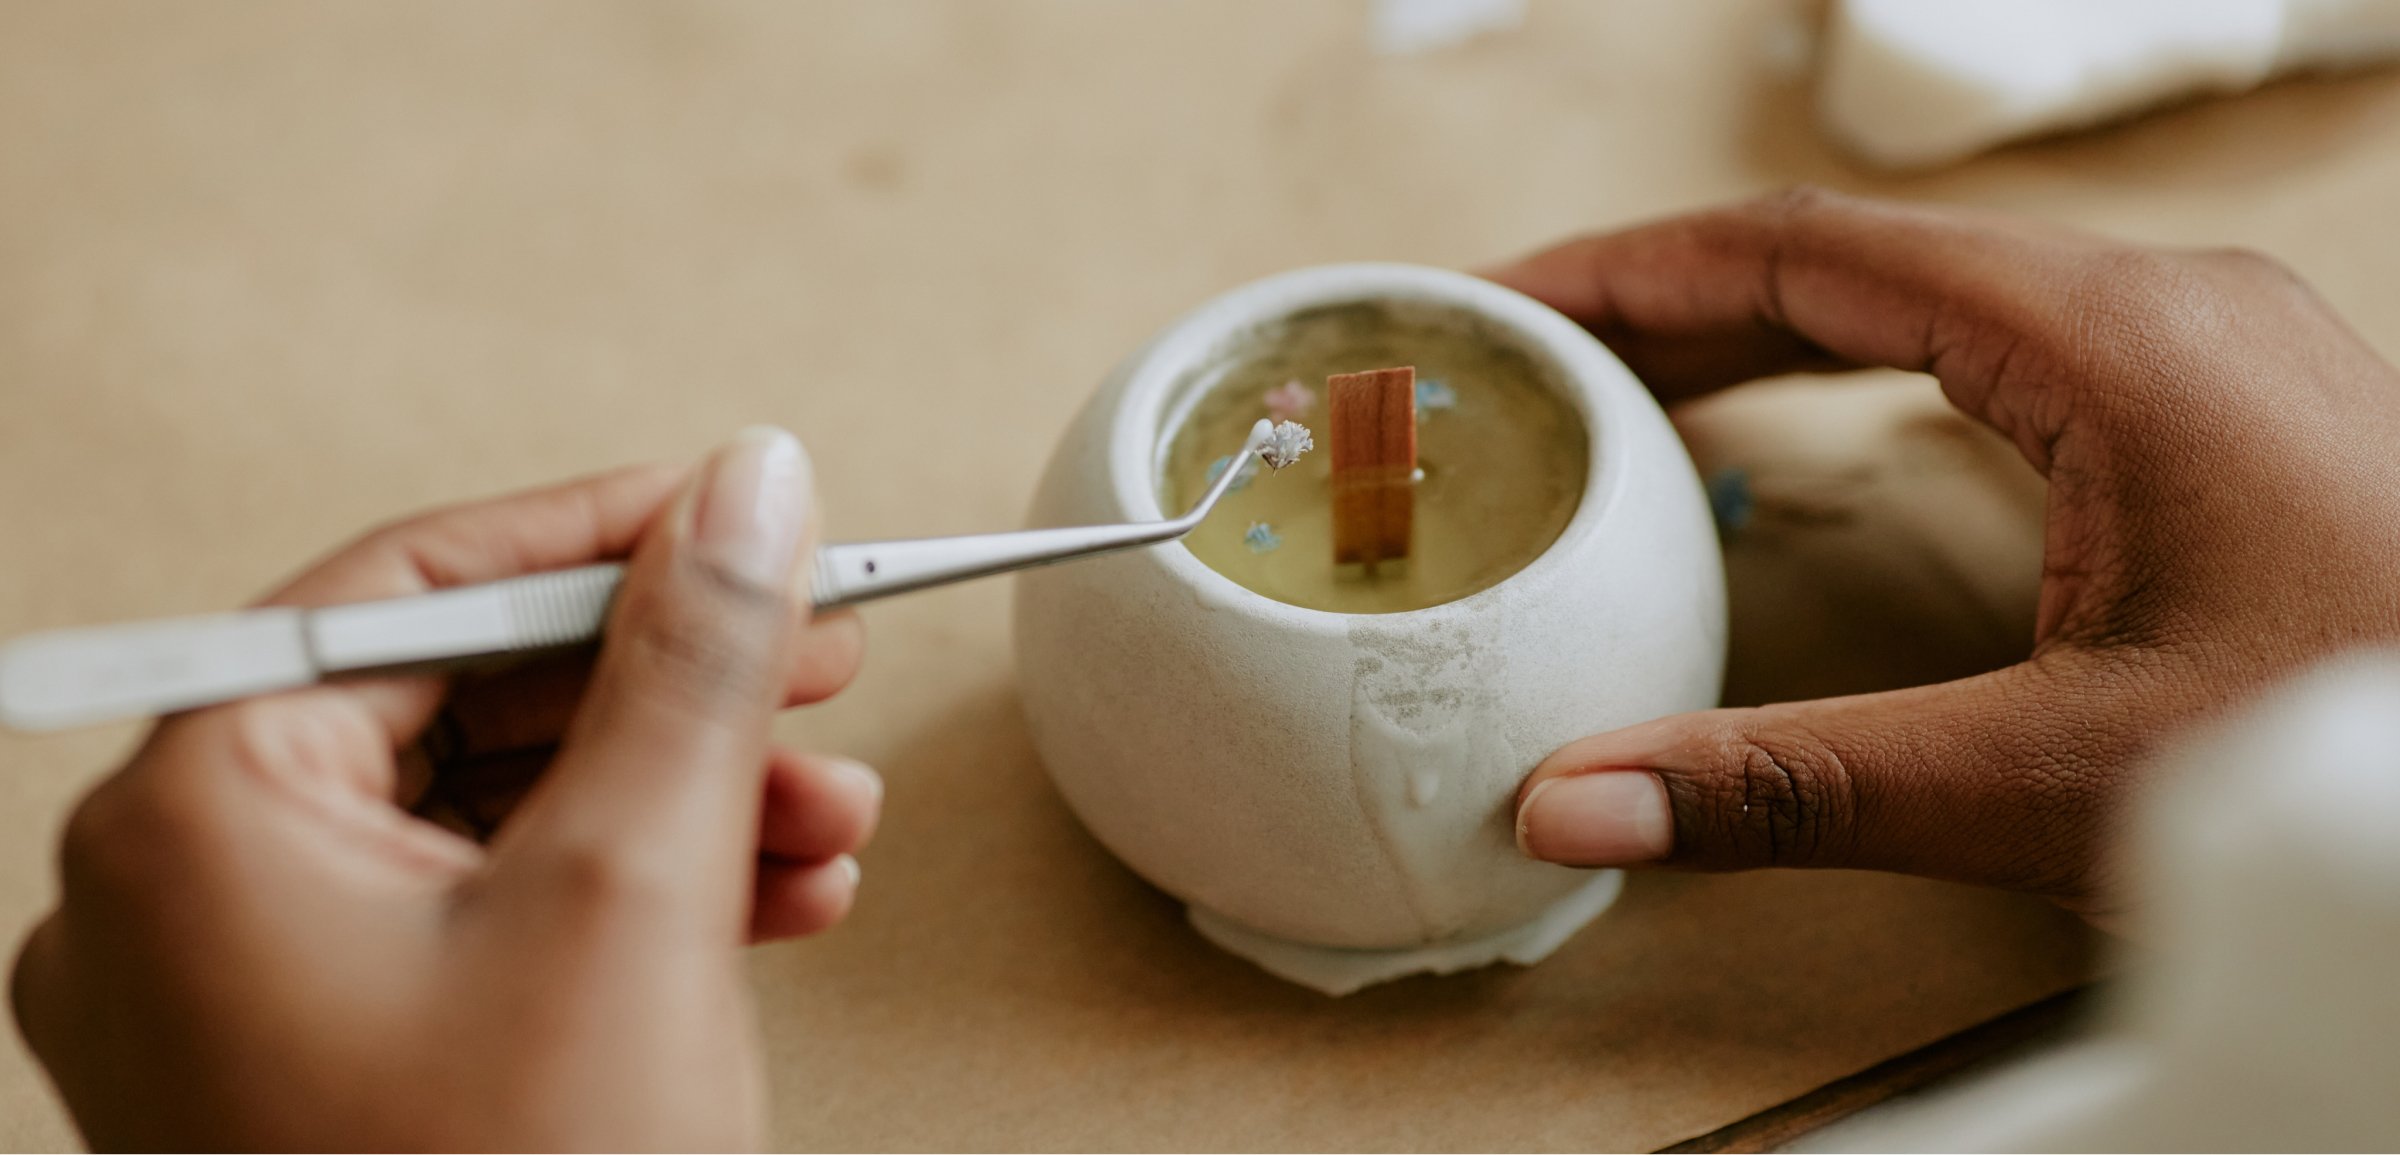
2261	1012
1407	27
1919	82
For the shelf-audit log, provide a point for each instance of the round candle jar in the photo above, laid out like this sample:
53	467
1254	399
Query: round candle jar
1332	793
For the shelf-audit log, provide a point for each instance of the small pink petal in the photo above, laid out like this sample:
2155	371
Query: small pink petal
1290	401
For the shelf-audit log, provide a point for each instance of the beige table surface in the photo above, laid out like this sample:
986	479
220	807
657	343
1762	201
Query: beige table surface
270	273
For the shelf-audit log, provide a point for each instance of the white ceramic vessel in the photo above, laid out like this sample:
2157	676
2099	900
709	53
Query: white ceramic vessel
1333	794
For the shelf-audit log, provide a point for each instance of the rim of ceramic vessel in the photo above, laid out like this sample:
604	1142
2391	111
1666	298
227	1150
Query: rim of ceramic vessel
1578	367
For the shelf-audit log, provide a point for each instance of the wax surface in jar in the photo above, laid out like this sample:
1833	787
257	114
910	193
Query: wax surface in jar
1503	460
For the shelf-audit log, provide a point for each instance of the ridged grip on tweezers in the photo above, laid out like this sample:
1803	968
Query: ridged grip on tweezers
557	609
503	617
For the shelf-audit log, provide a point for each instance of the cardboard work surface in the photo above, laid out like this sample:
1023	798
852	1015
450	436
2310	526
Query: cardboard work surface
272	273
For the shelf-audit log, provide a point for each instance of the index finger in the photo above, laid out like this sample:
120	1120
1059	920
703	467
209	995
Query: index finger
573	523
1999	309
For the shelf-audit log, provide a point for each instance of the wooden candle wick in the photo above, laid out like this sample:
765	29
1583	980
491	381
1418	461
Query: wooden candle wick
1372	422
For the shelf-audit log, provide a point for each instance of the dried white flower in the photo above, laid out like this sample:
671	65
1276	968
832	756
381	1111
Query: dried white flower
1285	443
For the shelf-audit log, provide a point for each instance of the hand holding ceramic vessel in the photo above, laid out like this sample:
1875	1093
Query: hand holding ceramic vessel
260	946
2224	508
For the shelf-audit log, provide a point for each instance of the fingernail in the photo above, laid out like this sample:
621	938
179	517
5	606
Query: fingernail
753	506
860	776
1608	818
849	867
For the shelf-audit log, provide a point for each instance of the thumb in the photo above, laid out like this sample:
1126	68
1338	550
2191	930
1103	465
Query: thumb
655	791
1963	780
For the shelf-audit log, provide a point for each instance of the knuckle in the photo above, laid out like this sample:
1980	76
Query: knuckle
410	530
123	838
2251	268
170	813
1783	217
2150	328
263	741
2147	300
2173	339
95	843
1776	223
611	878
2144	283
254	740
2266	292
1792	203
33	983
399	536
1789	802
437	546
830	658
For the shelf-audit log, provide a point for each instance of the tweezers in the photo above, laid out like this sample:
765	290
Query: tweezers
74	677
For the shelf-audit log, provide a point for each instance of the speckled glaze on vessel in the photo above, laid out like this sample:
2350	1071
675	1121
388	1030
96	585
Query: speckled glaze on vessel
1333	793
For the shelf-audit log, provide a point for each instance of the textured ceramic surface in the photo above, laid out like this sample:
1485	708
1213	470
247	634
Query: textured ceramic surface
1346	781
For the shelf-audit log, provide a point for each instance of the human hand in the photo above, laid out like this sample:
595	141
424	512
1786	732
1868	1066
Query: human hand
2224	507
259	946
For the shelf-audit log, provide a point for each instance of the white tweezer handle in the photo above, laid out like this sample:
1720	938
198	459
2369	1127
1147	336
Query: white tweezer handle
74	677
64	678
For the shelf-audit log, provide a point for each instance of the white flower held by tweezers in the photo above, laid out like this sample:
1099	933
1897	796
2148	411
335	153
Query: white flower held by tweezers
1285	443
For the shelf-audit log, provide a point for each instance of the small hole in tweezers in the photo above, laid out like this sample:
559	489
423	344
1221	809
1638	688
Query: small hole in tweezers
870	567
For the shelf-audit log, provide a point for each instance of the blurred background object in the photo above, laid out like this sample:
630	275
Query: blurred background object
2257	1013
1921	82
1407	26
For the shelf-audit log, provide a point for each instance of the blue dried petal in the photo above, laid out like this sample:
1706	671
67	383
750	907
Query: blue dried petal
1435	394
1730	499
1261	537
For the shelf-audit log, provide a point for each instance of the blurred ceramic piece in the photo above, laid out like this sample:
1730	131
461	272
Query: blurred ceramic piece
1334	794
2261	882
1908	84
1412	27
